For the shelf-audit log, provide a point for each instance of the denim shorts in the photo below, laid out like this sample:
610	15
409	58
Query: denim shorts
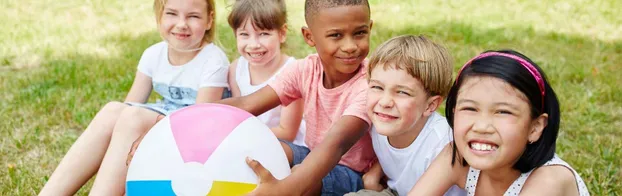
339	181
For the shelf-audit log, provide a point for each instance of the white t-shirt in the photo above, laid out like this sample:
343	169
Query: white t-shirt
179	85
272	117
405	166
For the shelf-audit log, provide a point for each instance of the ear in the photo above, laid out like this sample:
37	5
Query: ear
210	21
537	126
433	103
306	34
283	34
371	24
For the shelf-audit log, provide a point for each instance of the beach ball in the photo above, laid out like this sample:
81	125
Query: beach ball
201	150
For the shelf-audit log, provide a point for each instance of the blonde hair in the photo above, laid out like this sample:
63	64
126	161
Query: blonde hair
423	59
158	8
264	14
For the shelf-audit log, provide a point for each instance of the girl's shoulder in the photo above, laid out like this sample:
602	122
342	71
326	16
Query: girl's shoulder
554	179
156	49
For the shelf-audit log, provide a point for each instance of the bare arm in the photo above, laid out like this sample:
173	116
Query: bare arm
141	88
440	176
233	85
550	180
209	94
256	103
290	121
323	158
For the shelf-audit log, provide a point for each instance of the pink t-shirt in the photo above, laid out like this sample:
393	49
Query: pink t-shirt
323	107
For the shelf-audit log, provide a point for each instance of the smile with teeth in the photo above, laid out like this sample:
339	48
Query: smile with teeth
256	54
181	35
385	116
483	146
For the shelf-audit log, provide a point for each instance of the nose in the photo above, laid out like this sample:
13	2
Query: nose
181	23
254	42
386	101
483	124
349	45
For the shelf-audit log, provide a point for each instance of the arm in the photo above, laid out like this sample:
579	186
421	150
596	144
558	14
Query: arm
233	85
290	121
550	180
141	88
323	158
439	177
256	103
372	179
209	94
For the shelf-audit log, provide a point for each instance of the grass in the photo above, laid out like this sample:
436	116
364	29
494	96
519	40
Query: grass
60	61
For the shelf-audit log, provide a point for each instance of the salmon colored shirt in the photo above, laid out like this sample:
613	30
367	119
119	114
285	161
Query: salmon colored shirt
324	107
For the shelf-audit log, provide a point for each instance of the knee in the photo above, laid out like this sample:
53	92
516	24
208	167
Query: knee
113	108
135	119
289	153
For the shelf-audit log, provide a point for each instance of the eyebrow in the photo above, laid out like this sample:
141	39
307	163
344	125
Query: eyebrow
174	10
375	81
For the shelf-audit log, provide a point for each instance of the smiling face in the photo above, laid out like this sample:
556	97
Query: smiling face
340	36
397	102
183	23
259	46
493	123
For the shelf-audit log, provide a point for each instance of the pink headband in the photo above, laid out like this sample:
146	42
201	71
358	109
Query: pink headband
532	69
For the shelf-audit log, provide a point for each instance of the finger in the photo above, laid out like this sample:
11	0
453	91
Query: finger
261	172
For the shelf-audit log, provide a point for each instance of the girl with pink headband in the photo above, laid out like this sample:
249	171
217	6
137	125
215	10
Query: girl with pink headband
505	118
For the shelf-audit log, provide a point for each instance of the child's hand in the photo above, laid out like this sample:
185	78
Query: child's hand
372	179
371	182
268	184
133	149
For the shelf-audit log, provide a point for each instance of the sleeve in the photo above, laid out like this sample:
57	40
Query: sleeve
146	63
215	73
358	105
288	83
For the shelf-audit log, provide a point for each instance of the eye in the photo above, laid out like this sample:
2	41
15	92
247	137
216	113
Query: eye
335	35
504	112
361	33
403	93
264	34
171	13
376	88
242	34
468	109
194	16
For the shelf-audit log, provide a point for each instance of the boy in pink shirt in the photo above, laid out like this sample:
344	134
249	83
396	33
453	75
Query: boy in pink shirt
333	86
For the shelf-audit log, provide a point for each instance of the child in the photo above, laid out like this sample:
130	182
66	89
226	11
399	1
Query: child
505	119
260	30
408	78
184	68
333	88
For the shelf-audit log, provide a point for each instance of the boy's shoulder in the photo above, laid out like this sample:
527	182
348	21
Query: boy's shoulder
437	126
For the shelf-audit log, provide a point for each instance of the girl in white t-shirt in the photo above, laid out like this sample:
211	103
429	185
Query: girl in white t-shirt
505	118
185	68
260	30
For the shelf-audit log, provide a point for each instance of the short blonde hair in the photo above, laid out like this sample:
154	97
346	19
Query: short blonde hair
158	8
420	57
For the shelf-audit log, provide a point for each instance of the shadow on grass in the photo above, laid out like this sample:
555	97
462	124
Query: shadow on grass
51	105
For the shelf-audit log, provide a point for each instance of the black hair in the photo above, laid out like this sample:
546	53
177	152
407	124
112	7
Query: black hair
312	7
515	74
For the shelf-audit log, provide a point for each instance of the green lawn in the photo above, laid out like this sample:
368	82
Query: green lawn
60	61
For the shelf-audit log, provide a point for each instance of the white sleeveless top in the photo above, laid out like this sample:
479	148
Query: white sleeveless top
271	117
518	184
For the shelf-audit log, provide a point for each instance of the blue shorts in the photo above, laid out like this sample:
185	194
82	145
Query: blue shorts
339	181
